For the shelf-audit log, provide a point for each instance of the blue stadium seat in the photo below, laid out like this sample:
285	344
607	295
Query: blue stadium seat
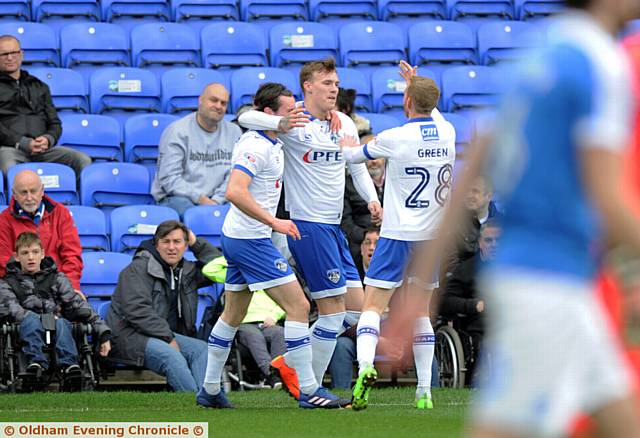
464	132
103	308
233	44
59	180
181	88
481	9
130	225
59	13
295	43
255	10
507	40
387	89
87	47
206	221
441	42
38	41
245	82
124	91
357	80
68	89
371	43
142	136
380	122
91	224
3	198
199	13
111	185
161	46
15	10
536	9
100	273
95	135
396	10
130	13
328	10
471	87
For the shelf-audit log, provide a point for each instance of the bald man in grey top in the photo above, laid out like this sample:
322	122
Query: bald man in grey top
194	160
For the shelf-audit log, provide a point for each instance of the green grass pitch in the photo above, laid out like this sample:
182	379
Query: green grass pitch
259	413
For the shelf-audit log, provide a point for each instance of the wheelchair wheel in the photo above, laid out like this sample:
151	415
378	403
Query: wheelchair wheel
450	358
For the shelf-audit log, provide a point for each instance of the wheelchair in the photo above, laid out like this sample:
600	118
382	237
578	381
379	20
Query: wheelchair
13	367
457	352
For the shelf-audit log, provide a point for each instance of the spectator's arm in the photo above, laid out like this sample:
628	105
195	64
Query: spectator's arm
354	232
458	297
171	164
218	195
9	299
9	138
7	240
70	249
134	290
54	125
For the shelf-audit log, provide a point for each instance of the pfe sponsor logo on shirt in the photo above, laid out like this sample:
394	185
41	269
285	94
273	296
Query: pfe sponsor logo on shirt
429	132
313	156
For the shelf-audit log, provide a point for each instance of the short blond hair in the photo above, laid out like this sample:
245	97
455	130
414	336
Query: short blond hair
326	65
424	94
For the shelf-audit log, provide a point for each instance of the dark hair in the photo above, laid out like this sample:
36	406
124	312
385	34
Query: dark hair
167	227
579	4
490	223
372	229
346	100
268	96
327	65
27	238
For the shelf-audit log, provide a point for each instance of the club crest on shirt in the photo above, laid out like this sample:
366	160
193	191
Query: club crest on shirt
281	265
333	275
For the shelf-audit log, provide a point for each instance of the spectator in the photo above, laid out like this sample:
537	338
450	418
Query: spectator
345	103
31	210
194	160
368	246
356	218
460	302
33	287
29	123
153	309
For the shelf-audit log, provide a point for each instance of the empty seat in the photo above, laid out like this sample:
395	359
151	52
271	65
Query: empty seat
3	199
296	43
67	87
132	224
322	10
59	180
392	10
439	42
206	221
380	122
246	81
464	132
95	135
124	91
536	9
233	44
199	13
111	185
142	135
474	9
160	46
371	43
181	88
387	89
58	13
89	46
253	10
507	40
91	224
354	79
38	41
469	87
15	10
130	13
100	273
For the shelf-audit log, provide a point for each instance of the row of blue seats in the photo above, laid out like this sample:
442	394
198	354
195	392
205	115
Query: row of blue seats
263	10
124	91
159	46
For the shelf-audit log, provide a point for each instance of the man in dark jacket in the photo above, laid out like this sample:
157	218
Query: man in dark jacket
34	287
153	309
29	123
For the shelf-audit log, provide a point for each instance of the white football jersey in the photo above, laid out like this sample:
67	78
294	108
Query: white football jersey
420	157
260	157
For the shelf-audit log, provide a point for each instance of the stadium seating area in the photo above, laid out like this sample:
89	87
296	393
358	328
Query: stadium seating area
121	70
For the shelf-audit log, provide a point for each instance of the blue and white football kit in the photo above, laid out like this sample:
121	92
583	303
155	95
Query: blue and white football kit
551	351
252	259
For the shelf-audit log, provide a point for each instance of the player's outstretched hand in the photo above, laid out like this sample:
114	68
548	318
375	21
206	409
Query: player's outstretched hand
348	141
407	71
376	212
286	227
334	121
295	119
